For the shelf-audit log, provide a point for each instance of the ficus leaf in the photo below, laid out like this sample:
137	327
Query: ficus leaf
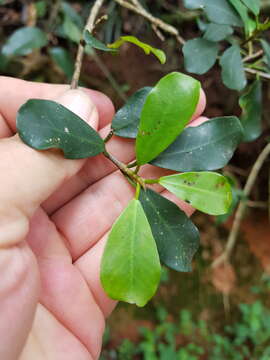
266	49
233	74
249	23
63	59
209	146
95	43
206	191
130	267
145	47
126	121
45	124
217	32
176	236
251	118
221	12
168	108
24	40
199	55
253	5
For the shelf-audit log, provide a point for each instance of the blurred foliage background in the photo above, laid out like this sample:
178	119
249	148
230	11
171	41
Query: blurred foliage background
212	313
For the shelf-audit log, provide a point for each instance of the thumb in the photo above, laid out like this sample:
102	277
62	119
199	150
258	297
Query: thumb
28	177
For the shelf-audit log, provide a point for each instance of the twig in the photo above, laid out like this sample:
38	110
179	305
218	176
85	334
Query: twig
53	14
155	21
109	76
241	207
89	26
257	72
253	56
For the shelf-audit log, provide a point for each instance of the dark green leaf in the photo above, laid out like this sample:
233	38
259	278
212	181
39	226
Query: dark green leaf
24	41
199	55
167	109
253	5
95	43
217	32
177	238
148	49
69	11
221	12
206	191
41	8
45	124
71	30
249	23
194	4
266	49
63	59
251	104
130	268
126	121
3	62
209	146
233	73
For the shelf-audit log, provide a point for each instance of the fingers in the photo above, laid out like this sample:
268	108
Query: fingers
26	90
28	176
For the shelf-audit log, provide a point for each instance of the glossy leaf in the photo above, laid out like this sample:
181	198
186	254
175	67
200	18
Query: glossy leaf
126	121
168	108
199	55
130	268
209	146
45	124
145	47
194	4
24	41
206	191
217	32
95	43
221	12
266	49
253	5
63	59
249	23
251	104
71	30
233	74
176	236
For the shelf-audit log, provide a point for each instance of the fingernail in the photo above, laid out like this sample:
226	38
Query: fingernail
81	104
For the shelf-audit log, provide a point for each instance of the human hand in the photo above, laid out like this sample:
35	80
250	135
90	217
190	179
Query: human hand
55	215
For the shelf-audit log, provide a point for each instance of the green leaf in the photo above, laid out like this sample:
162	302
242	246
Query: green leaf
126	121
45	124
221	12
209	146
166	111
233	73
250	24
146	48
130	268
194	4
24	41
266	49
176	236
253	5
251	118
41	8
95	43
71	30
217	32
69	11
206	191
63	59
199	55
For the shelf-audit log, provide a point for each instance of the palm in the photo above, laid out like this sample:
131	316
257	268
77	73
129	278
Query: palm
67	235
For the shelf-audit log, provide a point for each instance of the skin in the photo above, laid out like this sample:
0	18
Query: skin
55	215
